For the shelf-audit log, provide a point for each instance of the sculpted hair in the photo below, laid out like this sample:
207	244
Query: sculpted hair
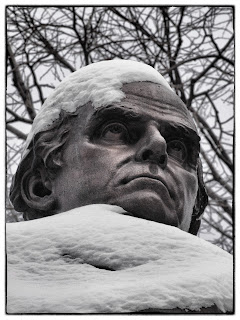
45	155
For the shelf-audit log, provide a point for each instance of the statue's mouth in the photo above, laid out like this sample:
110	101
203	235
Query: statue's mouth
146	179
145	175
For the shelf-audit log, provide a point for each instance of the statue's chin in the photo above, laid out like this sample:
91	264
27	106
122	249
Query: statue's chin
149	207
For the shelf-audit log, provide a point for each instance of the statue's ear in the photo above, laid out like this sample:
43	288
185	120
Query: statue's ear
36	190
200	202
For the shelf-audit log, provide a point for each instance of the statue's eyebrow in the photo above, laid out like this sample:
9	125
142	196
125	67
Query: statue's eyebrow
181	130
110	112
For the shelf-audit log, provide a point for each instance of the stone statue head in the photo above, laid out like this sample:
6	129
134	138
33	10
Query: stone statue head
113	132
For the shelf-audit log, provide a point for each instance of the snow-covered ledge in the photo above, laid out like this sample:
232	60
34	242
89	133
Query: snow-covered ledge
96	259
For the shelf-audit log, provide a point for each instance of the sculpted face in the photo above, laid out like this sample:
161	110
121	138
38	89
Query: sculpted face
139	154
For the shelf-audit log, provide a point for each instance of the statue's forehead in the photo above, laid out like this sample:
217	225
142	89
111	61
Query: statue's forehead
156	102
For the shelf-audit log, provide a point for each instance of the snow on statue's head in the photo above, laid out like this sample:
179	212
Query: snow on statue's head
113	132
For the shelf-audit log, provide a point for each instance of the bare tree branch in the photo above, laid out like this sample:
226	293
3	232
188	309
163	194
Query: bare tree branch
17	132
19	83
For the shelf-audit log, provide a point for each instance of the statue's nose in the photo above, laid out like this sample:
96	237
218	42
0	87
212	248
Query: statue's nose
152	147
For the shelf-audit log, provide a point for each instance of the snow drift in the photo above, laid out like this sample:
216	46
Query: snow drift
96	259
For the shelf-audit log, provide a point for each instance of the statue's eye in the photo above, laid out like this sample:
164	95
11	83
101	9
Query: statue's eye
115	133
177	150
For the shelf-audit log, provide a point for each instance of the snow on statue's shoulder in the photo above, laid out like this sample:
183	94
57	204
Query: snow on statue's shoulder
97	259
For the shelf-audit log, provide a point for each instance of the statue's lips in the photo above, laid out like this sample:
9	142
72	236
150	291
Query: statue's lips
147	179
